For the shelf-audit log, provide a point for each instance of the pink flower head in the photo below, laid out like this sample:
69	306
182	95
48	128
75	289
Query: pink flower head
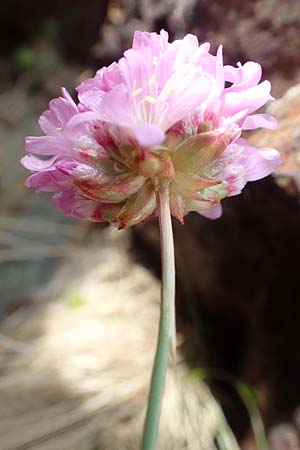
162	111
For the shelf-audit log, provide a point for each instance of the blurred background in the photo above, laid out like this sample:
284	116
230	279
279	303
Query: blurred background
79	302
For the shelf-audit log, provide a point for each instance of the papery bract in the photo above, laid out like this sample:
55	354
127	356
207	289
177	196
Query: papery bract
162	111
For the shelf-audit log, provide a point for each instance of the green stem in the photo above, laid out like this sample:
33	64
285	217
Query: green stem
166	335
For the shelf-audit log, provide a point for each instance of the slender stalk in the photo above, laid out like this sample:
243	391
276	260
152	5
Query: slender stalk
166	334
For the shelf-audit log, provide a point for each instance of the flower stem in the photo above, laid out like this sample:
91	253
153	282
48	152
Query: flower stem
166	335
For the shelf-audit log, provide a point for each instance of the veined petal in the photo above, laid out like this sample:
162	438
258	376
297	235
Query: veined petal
251	98
117	108
47	145
144	41
244	76
91	96
136	70
92	90
260	121
51	181
213	213
60	111
149	135
33	163
81	130
75	205
184	92
235	177
259	162
186	47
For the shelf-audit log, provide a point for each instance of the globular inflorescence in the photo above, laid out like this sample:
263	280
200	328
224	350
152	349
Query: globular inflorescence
165	111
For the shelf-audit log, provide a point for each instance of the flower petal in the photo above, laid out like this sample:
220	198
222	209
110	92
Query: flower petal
33	163
60	111
156	42
74	205
50	181
149	135
259	162
244	76
117	108
251	98
213	213
260	121
48	145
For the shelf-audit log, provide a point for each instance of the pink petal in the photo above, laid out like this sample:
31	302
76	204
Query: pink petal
117	109
111	77
213	213
240	117
149	135
260	121
91	91
186	47
82	130
164	67
47	145
91	97
156	42
244	76
51	181
74	205
220	69
135	69
259	162
251	74
151	46
184	92
251	98
82	171
30	162
236	178
60	111
68	97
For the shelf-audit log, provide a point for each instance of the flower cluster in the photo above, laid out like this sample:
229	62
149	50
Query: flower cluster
168	111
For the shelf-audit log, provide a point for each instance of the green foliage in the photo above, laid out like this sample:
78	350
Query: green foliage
247	394
25	58
74	300
50	27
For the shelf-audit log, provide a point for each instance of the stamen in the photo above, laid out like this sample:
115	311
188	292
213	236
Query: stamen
169	92
59	129
150	99
137	92
152	79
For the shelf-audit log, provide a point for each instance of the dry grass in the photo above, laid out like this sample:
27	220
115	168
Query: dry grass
75	366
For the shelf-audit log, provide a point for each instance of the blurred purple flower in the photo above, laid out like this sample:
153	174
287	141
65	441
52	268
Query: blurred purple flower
162	111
